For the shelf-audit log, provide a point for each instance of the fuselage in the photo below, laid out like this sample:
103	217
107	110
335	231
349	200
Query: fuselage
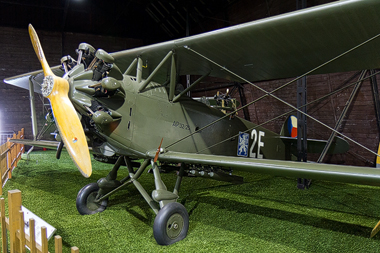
144	118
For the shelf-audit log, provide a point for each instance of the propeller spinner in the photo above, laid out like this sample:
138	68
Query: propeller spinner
69	126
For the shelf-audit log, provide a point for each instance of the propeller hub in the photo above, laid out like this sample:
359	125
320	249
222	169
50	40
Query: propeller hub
47	85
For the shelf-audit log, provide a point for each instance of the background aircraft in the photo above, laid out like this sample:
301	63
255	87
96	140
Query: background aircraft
125	117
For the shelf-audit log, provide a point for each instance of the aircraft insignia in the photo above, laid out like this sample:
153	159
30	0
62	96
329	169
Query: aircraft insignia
243	144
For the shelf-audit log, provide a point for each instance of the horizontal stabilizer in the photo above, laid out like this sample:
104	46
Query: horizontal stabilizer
39	143
338	146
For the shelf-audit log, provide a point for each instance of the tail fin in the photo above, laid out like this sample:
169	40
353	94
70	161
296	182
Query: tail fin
289	137
289	128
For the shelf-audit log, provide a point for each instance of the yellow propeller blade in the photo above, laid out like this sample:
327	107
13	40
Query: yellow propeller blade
39	52
378	157
375	230
56	90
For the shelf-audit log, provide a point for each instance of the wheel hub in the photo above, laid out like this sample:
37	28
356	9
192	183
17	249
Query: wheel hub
91	204
174	226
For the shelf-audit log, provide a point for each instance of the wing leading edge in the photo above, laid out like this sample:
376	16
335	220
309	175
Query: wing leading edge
277	47
328	172
22	81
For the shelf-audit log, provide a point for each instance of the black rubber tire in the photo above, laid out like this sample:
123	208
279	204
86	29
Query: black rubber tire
85	200
171	224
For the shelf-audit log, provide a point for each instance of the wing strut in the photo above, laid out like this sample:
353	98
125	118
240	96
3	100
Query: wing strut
147	81
173	75
129	69
32	109
139	70
173	78
190	87
342	115
32	113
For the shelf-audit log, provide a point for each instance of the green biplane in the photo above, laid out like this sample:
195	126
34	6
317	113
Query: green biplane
124	105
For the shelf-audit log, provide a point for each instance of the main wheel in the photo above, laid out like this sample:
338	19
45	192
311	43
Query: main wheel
171	224
86	200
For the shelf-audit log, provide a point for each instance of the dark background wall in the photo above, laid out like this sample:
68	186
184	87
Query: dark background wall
360	122
135	23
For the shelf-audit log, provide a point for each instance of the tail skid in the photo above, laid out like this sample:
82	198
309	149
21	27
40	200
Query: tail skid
376	229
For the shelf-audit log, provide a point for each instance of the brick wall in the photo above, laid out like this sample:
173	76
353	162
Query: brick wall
360	122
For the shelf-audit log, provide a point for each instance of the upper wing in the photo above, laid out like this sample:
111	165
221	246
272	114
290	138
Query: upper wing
329	172
37	77
282	46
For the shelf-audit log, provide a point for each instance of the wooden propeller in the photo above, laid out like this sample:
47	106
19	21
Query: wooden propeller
69	126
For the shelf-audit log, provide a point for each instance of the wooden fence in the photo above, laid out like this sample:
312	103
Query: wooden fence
16	227
10	154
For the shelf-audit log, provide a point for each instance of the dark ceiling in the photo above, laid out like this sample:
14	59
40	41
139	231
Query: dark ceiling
152	21
149	20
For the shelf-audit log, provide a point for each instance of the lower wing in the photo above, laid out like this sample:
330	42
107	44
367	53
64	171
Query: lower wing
329	172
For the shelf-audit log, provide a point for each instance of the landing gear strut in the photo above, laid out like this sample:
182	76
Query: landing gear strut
172	221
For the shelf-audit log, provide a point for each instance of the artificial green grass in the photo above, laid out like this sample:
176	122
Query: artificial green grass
265	214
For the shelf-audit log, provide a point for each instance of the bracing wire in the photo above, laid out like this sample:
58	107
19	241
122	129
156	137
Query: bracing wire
277	98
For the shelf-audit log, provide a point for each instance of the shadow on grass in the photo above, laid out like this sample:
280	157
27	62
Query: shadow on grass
129	199
344	198
302	219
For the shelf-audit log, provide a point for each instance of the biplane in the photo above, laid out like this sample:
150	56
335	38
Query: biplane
128	108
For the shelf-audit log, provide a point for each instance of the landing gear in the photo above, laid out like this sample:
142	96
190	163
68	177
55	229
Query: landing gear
172	221
171	224
86	200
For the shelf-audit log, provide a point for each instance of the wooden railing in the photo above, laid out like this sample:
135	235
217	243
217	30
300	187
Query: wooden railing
10	154
15	225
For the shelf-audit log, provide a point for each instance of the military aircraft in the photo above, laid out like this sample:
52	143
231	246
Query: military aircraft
128	107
